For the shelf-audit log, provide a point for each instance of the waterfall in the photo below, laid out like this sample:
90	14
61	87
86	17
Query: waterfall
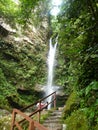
51	65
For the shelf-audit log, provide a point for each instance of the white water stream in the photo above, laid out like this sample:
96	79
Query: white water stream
51	65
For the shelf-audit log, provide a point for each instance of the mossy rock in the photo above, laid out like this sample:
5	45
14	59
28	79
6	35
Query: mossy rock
71	104
77	121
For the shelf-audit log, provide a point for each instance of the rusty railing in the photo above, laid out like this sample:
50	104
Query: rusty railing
32	123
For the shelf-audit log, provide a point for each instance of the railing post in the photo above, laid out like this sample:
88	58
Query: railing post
31	125
39	113
55	100
40	108
13	120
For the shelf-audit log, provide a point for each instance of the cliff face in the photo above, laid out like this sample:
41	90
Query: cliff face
22	62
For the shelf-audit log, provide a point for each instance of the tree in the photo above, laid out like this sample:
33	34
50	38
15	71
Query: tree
78	38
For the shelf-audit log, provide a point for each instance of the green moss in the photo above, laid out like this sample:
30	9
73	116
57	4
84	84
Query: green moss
77	121
45	115
96	127
71	99
19	68
71	104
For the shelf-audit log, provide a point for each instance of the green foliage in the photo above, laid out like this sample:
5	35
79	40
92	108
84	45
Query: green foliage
77	69
78	47
96	127
8	94
45	115
72	104
4	91
91	86
20	69
77	121
8	10
89	101
26	10
7	7
22	12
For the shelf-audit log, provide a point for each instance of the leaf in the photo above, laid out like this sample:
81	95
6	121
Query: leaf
94	55
92	114
92	86
88	89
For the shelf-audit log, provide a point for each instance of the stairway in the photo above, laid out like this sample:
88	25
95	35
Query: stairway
53	122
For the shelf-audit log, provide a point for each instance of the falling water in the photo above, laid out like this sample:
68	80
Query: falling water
51	64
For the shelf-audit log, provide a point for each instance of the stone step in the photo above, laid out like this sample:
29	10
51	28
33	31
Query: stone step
53	122
57	111
56	114
54	127
54	117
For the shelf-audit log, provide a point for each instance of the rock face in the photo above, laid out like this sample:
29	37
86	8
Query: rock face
5	29
22	61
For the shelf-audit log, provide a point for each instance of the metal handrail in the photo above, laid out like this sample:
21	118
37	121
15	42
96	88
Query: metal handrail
32	123
31	105
14	123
